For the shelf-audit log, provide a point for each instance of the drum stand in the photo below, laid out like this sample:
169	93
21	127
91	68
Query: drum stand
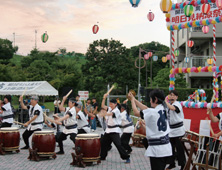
77	160
1	150
206	166
189	154
34	156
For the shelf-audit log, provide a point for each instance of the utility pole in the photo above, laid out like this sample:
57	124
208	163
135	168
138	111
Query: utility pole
35	39
14	39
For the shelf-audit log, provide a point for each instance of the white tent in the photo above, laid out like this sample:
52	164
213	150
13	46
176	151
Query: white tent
39	88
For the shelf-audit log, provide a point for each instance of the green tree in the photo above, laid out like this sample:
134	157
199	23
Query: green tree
108	61
6	49
162	79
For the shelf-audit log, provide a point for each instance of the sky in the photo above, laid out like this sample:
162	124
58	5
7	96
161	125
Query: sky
69	23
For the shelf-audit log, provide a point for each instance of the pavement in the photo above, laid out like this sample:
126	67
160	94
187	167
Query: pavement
19	161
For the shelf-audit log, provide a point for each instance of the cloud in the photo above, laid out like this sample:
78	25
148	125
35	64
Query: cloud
69	23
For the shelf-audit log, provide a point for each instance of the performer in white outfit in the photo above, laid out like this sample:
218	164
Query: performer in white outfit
217	118
157	128
112	132
6	111
69	121
36	120
127	128
177	129
83	125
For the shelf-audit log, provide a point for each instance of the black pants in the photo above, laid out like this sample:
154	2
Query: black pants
177	144
63	137
27	134
125	139
107	140
81	131
6	124
158	163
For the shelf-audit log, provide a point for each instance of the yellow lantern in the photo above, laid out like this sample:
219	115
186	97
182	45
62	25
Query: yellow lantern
166	5
209	61
164	59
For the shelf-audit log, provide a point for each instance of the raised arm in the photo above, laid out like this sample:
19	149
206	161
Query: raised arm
103	101
61	106
137	103
21	102
212	117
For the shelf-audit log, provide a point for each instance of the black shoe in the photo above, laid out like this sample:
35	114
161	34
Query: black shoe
25	147
60	153
171	166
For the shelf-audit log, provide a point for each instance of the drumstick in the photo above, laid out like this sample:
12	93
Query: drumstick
23	93
110	89
48	118
19	123
69	93
211	102
211	130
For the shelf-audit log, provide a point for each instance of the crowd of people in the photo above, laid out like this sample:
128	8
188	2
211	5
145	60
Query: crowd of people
163	123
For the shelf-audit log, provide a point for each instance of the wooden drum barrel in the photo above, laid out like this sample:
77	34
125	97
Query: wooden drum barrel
44	142
9	139
140	130
89	145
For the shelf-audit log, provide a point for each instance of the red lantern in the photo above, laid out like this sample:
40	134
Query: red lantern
150	16
190	43
95	29
206	8
150	54
168	57
205	29
146	57
219	4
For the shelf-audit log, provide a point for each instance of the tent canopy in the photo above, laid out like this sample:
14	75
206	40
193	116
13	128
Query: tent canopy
39	88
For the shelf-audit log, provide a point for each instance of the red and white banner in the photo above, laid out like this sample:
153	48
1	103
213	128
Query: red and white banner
84	95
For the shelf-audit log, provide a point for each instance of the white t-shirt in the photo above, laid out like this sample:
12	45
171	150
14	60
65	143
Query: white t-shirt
7	114
38	122
82	122
125	121
71	121
157	126
176	118
114	120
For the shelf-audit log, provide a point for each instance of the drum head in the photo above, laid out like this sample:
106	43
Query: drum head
9	129
88	135
44	132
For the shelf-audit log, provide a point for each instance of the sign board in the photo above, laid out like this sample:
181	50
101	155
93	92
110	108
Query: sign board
177	20
84	95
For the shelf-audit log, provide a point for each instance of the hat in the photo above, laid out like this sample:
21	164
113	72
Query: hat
113	101
35	97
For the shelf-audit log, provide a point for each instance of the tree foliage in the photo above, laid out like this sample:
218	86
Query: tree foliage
108	62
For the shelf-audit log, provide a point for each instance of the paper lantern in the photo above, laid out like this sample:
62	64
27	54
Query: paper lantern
155	58
190	43
205	29
146	57
219	3
176	53
168	57
206	8
134	3
166	5
150	54
95	29
150	16
209	61
188	10
45	37
164	59
186	59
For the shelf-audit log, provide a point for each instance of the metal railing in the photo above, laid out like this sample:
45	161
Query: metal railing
196	61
